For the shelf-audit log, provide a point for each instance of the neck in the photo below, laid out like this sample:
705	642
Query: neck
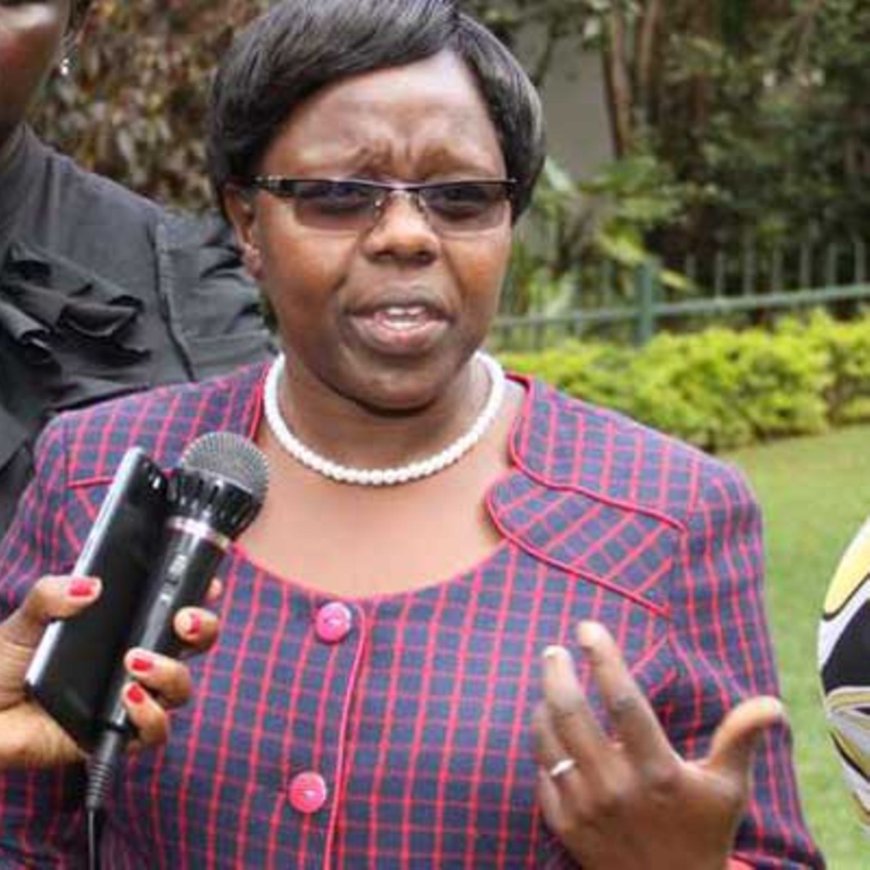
352	433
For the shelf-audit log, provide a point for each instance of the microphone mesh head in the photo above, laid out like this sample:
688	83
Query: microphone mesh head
231	457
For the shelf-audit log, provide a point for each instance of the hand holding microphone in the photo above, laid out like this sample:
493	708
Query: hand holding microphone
29	737
68	653
212	497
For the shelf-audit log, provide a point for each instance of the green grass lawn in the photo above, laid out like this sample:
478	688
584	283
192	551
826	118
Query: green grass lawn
815	493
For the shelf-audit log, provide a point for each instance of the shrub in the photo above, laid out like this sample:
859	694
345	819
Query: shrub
722	389
594	370
847	346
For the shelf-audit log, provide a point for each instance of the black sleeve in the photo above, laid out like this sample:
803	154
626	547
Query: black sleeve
214	306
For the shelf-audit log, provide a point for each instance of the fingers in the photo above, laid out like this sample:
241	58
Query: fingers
215	590
49	598
566	733
568	713
547	747
196	628
150	719
550	801
60	597
163	676
737	736
609	796
163	682
565	727
167	677
633	720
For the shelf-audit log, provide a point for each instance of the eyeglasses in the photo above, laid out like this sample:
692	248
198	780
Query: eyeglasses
353	205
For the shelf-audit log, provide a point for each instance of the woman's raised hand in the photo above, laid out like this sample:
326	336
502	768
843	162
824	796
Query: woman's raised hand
29	737
625	799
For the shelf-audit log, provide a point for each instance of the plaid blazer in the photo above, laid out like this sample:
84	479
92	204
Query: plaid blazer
403	741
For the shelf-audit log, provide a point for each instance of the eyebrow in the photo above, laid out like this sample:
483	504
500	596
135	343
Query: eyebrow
373	158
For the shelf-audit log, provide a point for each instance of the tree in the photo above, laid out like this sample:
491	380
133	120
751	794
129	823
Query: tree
134	107
749	116
728	117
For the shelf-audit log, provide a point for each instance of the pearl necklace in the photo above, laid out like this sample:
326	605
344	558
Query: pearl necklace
382	476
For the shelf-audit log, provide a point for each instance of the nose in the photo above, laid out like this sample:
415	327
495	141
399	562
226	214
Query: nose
402	230
410	196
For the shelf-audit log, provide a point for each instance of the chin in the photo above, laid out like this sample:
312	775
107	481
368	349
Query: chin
399	389
396	402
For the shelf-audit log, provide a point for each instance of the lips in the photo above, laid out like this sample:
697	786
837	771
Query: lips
398	326
403	317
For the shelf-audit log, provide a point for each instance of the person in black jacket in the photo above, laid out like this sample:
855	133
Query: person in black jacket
102	291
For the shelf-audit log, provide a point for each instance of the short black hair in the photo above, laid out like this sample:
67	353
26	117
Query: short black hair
300	46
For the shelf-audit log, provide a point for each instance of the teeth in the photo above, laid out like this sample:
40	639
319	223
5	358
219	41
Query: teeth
405	312
402	316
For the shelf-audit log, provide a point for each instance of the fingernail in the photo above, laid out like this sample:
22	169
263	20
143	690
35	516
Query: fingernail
194	623
135	693
81	587
552	652
589	633
777	708
141	664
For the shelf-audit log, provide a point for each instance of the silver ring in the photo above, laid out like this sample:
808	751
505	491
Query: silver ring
561	767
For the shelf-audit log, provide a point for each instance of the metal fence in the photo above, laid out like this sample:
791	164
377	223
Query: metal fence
742	287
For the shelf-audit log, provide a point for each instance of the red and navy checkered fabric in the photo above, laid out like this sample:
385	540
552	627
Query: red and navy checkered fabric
418	719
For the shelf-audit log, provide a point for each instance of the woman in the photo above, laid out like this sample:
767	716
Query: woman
101	291
431	527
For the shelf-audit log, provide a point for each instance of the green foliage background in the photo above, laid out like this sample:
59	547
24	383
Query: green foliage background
722	389
781	144
749	120
134	106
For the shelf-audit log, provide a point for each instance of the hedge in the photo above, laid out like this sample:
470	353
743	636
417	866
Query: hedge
721	389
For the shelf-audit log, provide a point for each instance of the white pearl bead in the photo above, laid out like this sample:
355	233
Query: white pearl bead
382	476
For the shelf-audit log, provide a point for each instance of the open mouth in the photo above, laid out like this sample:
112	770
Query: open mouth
394	328
403	317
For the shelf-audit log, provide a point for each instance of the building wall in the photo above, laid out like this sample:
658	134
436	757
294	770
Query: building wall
574	106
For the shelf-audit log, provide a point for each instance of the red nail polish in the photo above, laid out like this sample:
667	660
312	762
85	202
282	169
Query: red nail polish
135	693
194	623
81	587
141	664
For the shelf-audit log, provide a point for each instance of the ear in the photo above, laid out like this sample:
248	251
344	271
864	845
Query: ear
240	208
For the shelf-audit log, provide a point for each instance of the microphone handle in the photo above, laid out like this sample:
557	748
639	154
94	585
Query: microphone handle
189	558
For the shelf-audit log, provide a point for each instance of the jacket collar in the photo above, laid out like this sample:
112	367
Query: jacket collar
590	496
578	498
587	496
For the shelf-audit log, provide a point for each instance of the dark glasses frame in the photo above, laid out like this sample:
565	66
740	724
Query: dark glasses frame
451	215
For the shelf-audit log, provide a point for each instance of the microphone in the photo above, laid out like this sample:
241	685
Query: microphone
212	497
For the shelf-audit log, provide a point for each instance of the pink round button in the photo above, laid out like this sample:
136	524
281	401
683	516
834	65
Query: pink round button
307	792
334	622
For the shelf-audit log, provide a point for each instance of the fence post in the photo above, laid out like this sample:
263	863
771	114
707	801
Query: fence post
646	284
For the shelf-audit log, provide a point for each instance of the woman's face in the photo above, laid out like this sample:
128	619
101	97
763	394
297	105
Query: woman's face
386	316
30	38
